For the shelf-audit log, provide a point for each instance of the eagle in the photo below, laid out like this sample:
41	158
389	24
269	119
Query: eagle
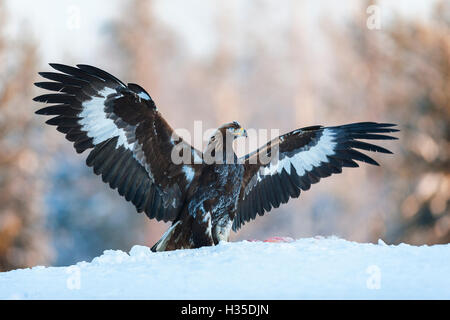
132	148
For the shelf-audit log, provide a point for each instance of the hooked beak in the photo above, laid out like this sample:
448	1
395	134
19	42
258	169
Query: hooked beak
241	132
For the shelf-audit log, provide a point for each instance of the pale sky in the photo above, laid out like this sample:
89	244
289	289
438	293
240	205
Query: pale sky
73	29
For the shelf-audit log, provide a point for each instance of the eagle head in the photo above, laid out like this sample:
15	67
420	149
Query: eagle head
223	138
233	129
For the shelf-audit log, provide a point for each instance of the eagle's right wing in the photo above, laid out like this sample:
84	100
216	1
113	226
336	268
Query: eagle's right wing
304	156
131	143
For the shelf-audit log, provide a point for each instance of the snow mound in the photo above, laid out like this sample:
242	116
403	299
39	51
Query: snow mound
313	268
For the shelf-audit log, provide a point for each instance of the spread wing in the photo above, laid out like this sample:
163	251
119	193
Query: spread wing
304	156
130	142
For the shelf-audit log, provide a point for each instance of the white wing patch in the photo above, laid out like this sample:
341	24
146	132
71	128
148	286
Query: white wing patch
305	160
96	124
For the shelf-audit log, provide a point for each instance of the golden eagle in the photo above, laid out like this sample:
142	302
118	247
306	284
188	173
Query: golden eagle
131	147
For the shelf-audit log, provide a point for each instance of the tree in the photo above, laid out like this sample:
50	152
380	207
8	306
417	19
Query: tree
401	74
23	241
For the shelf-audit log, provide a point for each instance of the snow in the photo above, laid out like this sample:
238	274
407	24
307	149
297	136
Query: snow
311	268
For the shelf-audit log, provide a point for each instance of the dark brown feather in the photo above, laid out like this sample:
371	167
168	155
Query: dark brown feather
282	185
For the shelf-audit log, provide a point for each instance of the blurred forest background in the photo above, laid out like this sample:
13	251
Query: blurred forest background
270	65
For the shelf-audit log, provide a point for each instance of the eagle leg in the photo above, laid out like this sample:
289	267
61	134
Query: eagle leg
201	230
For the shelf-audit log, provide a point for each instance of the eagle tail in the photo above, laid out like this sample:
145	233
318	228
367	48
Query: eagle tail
162	243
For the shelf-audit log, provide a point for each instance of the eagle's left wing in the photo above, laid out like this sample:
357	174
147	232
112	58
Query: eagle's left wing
131	142
300	158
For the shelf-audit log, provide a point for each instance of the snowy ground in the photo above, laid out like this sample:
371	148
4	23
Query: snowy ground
304	269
